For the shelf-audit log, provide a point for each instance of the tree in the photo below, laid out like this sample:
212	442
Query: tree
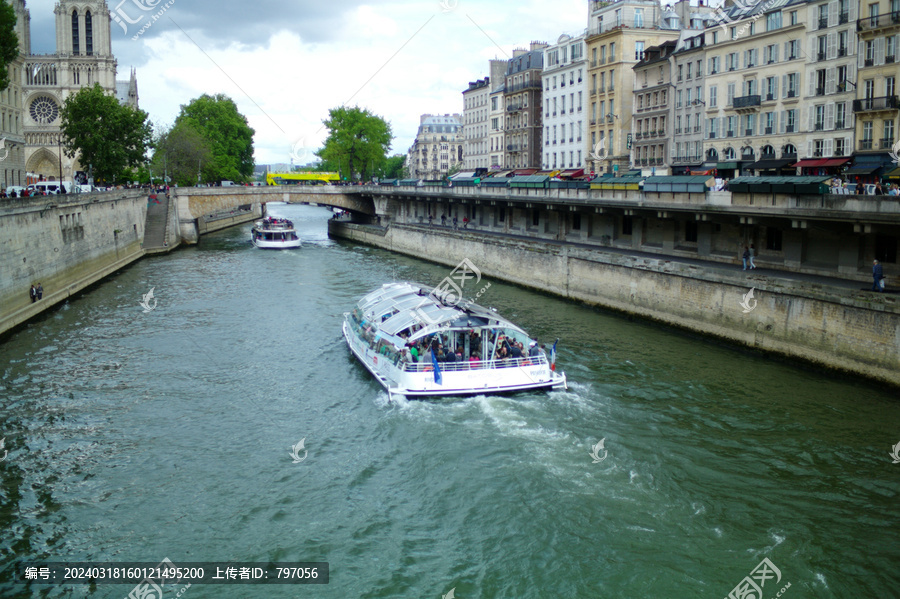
108	136
393	167
228	135
180	152
357	139
9	41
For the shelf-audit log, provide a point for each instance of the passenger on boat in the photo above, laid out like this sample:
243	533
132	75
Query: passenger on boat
533	349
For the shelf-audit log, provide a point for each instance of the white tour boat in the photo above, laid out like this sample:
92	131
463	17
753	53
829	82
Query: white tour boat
274	234
403	334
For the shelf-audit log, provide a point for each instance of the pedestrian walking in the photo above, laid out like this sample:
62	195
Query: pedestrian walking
877	276
456	222
752	255
465	222
40	291
33	293
443	220
746	256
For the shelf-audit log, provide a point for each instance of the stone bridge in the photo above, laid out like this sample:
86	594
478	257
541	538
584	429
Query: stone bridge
192	203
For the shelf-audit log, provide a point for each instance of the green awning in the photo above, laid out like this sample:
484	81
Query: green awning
894	174
726	165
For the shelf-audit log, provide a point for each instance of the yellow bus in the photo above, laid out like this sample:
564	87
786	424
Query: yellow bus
298	178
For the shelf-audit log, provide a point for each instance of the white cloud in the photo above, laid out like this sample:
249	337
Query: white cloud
295	61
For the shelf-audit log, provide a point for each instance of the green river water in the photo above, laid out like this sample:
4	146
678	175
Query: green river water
138	436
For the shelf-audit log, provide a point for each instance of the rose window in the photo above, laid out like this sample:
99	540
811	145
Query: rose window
44	110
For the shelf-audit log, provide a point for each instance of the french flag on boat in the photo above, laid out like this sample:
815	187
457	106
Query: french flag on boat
553	356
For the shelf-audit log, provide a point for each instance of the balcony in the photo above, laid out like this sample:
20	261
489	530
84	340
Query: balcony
823	22
842	51
887	144
844	17
839	124
770	97
712	135
514	108
748	132
865	144
786	156
729	134
789	129
677	131
639	136
767	157
697	129
820	56
820	126
876	104
768	130
746	101
869	62
873	23
661	132
888	59
792	93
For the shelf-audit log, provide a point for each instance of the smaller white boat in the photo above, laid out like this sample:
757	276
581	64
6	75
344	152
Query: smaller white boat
274	234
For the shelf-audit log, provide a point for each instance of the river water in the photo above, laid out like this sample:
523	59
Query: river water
136	436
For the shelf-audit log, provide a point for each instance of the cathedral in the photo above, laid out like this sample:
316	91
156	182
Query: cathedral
83	57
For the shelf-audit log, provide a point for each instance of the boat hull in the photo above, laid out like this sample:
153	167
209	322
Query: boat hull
459	382
290	244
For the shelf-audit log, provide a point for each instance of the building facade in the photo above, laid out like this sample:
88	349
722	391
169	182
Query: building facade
83	57
689	105
618	35
876	106
831	45
522	96
651	108
564	95
438	148
476	124
754	74
12	127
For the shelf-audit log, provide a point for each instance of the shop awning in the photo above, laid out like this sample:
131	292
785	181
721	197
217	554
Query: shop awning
766	165
894	174
810	163
836	161
863	169
571	173
499	174
726	165
463	175
524	172
708	165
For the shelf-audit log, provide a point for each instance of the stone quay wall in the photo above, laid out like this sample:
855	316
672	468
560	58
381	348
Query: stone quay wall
838	329
65	243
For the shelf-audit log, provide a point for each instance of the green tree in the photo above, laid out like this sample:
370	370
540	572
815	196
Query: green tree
9	41
357	139
108	136
180	152
394	166
229	136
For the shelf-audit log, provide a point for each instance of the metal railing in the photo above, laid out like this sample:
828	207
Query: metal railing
746	101
879	103
885	20
427	366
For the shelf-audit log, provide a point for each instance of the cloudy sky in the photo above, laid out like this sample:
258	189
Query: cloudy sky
285	63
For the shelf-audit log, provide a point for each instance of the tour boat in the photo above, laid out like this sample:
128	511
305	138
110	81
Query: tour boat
495	356
274	234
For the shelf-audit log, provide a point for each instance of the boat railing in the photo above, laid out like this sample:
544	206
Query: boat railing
427	366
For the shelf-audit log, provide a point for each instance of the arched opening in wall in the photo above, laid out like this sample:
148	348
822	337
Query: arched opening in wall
44	163
88	34
789	151
729	153
712	154
75	47
768	153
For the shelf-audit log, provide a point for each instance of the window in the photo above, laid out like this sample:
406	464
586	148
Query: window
821	46
791	121
793	49
820	118
711	127
791	85
770	124
840	114
713	65
867	132
890	47
713	91
680	72
793	17
888	133
773	21
889	86
731	124
689	70
639	50
729	154
612	52
839	146
731	61
88	34
75	32
870	53
730	89
638	17
842	43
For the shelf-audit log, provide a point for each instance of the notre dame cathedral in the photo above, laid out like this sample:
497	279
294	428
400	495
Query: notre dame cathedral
83	57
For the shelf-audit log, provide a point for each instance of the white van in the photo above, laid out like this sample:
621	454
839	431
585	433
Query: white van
50	187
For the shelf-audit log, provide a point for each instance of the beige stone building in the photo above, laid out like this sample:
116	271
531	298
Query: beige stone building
523	98
83	57
618	35
438	147
876	106
476	124
755	69
12	128
651	108
830	54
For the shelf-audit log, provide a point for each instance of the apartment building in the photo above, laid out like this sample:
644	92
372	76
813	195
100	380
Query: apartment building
476	124
565	92
618	35
12	126
754	69
876	106
438	147
522	96
688	104
830	57
651	107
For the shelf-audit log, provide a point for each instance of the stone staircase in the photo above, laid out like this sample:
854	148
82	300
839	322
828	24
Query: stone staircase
157	221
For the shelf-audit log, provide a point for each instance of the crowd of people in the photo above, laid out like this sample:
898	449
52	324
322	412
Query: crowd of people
840	186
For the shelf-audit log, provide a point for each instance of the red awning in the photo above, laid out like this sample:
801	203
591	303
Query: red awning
572	173
836	161
525	172
811	163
